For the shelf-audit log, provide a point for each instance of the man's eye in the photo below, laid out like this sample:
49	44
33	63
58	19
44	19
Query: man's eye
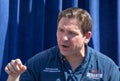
61	30
72	33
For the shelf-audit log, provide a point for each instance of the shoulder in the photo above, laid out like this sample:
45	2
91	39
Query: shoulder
45	55
100	57
43	58
104	64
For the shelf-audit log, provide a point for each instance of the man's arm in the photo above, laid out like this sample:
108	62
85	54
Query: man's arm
115	74
14	69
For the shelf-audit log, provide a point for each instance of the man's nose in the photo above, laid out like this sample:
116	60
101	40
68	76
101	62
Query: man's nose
65	37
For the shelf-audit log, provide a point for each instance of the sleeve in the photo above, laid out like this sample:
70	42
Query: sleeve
114	73
27	76
32	73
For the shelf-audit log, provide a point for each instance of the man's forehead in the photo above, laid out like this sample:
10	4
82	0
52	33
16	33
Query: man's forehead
69	21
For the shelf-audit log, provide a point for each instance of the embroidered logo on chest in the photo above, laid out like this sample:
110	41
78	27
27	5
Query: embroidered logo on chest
51	70
94	74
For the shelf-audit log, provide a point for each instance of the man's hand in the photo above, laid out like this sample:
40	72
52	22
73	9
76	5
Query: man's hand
14	69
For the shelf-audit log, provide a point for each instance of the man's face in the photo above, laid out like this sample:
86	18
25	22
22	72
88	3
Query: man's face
70	39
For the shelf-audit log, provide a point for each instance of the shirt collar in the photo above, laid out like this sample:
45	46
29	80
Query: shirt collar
85	60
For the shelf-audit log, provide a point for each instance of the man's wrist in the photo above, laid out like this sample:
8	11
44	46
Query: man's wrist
13	78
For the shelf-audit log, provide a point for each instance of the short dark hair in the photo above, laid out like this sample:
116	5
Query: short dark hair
82	15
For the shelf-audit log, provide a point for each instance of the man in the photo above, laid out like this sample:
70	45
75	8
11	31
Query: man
71	60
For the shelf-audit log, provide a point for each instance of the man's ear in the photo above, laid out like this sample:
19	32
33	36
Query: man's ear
88	37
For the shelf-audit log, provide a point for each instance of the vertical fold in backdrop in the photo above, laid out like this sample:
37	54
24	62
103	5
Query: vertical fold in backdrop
108	28
4	12
10	39
118	25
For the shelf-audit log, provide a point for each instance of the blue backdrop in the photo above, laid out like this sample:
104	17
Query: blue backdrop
29	26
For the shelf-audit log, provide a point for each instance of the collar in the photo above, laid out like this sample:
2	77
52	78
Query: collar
85	62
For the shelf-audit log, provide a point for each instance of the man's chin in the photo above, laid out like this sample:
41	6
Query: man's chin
65	53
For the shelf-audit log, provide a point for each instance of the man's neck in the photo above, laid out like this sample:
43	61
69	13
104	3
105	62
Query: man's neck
75	60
